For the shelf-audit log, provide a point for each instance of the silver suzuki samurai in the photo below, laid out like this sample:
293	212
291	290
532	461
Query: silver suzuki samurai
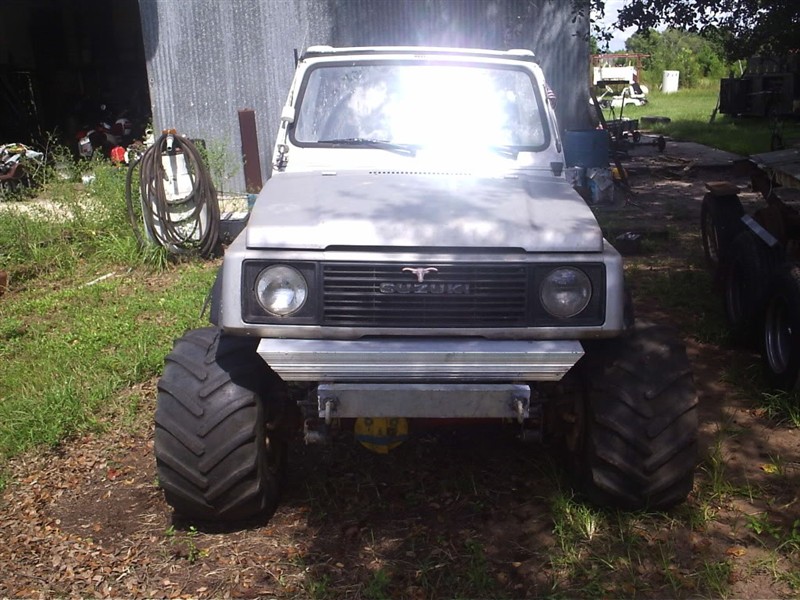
419	254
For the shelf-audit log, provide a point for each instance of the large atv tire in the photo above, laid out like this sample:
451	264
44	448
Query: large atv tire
720	221
216	459
746	281
781	340
637	444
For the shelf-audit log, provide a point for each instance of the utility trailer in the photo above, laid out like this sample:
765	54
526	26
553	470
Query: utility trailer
770	86
755	258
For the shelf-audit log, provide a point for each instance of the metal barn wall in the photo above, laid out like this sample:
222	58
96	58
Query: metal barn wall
207	59
544	26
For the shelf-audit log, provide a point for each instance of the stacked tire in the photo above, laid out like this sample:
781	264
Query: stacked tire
746	276
720	222
780	349
761	289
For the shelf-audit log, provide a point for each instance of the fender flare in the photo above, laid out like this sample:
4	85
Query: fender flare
213	303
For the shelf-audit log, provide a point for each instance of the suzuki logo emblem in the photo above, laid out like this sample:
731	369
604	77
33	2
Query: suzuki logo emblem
420	272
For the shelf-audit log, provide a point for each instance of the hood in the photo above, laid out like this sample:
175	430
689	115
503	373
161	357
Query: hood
318	211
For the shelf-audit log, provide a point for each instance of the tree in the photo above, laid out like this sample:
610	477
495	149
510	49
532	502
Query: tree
690	53
743	27
594	47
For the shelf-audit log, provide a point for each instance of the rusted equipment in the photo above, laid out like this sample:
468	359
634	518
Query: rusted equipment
755	259
18	164
252	163
769	86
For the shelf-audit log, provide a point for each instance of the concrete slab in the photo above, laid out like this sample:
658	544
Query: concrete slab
646	153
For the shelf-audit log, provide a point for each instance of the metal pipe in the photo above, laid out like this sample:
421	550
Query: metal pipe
252	162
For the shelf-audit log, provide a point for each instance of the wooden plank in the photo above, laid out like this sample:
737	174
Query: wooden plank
722	188
783	166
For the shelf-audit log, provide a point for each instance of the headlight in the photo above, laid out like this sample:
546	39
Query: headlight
281	290
565	292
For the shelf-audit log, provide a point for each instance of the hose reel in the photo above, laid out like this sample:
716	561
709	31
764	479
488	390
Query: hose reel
179	205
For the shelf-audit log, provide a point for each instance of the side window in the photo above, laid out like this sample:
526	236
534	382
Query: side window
522	121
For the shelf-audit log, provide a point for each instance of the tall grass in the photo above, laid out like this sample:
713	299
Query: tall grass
66	224
88	312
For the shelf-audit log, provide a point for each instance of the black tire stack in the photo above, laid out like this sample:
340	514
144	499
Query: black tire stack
781	340
761	288
746	279
720	221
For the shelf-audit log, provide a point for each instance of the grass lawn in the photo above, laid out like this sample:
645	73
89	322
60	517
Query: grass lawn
690	112
87	314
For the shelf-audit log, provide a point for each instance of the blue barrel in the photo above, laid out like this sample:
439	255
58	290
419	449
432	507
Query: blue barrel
586	148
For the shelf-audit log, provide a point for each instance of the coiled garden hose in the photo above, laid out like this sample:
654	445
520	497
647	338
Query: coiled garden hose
182	223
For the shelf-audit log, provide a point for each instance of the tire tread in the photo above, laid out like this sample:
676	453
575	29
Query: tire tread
210	439
641	440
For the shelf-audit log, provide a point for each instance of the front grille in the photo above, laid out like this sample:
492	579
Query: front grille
486	295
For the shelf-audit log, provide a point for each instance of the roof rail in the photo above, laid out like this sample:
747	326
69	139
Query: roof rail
516	53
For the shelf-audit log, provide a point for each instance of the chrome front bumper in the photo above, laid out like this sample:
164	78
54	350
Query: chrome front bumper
411	360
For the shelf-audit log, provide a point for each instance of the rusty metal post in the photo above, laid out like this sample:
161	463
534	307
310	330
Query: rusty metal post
250	157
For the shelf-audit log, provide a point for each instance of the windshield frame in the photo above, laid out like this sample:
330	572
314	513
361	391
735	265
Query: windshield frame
439	62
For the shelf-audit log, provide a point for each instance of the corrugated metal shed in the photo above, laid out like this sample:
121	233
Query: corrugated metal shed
207	59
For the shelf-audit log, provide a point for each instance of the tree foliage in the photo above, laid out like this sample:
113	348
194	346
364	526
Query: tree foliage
742	27
690	53
594	48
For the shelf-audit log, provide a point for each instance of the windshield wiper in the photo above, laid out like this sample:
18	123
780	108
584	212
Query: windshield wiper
506	151
408	149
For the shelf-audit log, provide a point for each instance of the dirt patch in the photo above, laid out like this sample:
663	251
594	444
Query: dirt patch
449	514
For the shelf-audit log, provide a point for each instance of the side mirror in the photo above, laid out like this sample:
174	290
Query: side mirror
287	114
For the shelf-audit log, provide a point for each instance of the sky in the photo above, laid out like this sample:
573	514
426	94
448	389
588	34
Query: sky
617	42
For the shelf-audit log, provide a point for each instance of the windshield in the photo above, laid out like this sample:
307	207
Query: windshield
421	105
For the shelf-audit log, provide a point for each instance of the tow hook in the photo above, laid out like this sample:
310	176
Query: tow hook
330	408
520	409
316	430
530	418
